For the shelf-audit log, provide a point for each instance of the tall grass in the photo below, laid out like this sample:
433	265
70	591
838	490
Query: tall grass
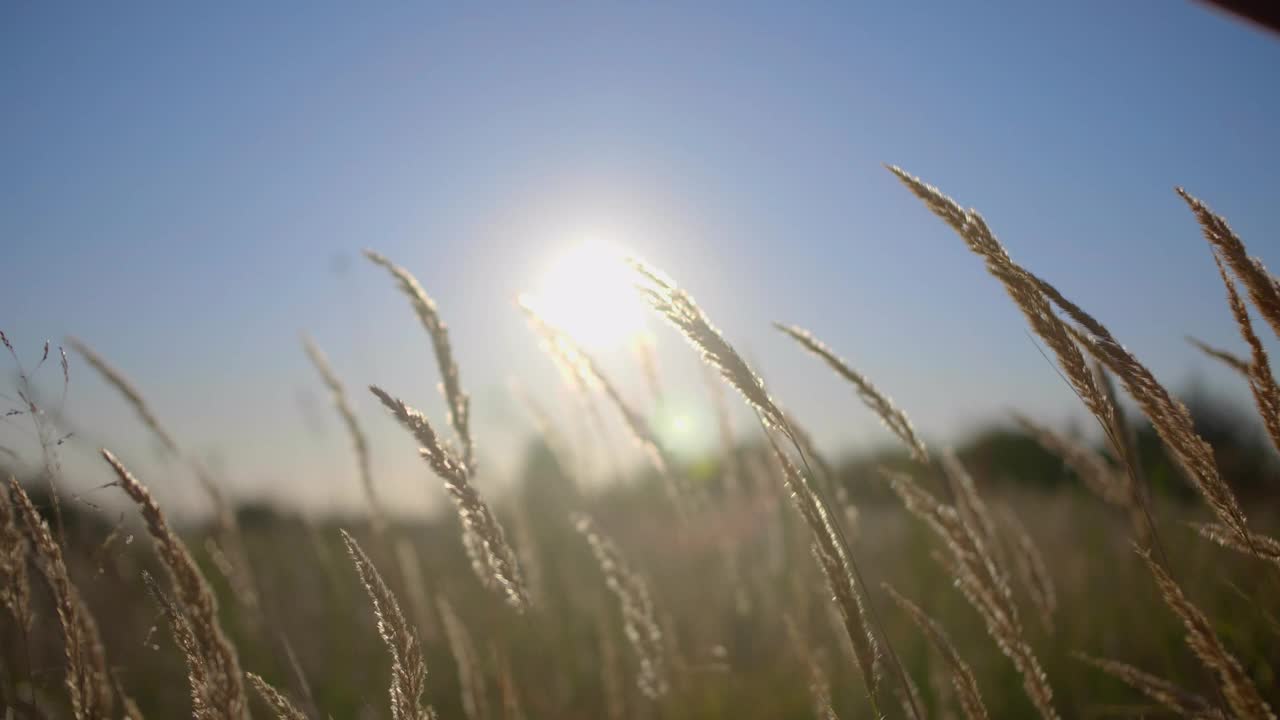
711	591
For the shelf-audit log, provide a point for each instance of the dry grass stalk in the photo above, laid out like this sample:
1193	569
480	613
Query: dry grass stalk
821	696
679	665
1237	687
15	586
46	432
583	370
577	378
1125	444
526	546
1103	479
1121	431
894	419
1021	555
129	709
639	619
1031	569
971	507
1262	383
310	708
819	462
200	677
647	359
1170	418
235	563
1012	548
1020	286
574	365
512	709
550	434
580	365
1254	601
415	586
475	700
684	314
1263	288
1170	696
425	307
962	678
1036	299
237	569
359	443
223	694
120	382
731	475
831	546
1259	546
944	693
227	550
491	555
1173	423
279	703
819	685
408	670
909	697
87	679
611	685
982	582
837	568
1230	359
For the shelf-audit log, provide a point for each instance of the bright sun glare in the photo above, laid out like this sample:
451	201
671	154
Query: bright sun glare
589	293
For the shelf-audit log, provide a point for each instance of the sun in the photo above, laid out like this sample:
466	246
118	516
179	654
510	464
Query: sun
588	291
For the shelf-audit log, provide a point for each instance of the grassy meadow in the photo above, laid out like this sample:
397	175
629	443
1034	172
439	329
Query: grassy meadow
1027	573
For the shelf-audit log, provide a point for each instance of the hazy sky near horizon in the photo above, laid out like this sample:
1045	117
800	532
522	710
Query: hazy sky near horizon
188	188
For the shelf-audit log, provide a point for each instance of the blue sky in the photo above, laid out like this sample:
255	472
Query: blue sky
188	188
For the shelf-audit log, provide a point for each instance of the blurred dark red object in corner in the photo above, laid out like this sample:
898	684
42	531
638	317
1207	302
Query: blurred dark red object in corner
1265	13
